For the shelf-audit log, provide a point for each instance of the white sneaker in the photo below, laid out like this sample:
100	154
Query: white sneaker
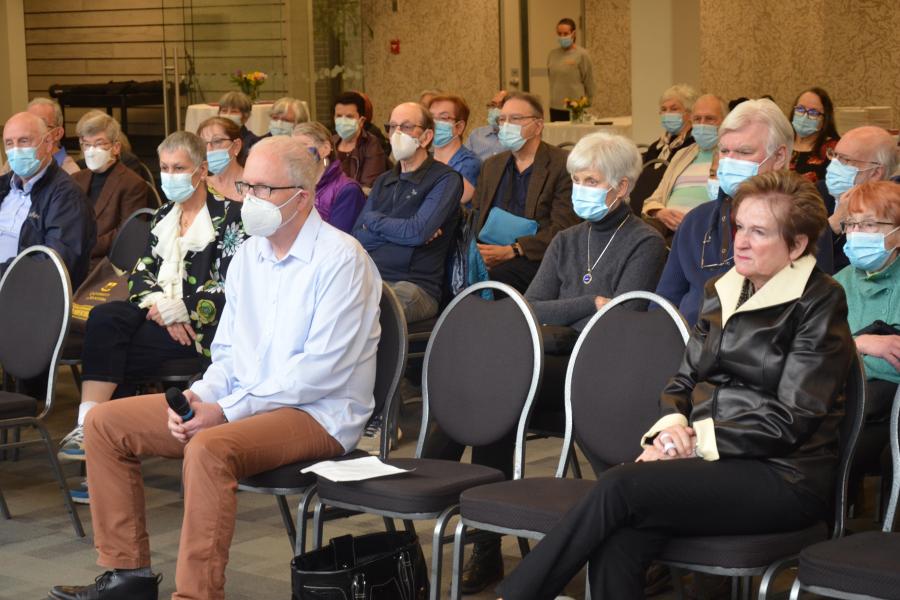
71	447
371	438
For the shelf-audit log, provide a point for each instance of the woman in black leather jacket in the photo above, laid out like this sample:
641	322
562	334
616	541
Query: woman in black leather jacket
747	443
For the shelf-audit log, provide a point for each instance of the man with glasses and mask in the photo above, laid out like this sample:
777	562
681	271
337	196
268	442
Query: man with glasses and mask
39	202
291	379
51	114
408	221
863	154
754	138
524	195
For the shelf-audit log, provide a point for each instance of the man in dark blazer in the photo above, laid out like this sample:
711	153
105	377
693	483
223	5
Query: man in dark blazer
528	180
114	191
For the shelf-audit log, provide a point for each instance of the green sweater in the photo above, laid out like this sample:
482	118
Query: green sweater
873	297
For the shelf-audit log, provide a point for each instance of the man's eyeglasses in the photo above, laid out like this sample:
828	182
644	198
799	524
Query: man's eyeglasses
726	262
809	112
832	155
514	119
407	128
866	226
263	192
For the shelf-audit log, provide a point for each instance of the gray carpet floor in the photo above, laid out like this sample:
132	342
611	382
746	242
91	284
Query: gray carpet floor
38	547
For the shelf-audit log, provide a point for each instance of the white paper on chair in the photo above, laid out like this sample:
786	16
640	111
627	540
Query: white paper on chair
357	469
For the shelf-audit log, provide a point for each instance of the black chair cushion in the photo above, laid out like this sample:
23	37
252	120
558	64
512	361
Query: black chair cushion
531	504
289	476
13	406
742	551
432	487
866	563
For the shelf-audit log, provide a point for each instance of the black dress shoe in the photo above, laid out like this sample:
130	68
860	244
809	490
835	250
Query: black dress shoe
484	567
112	585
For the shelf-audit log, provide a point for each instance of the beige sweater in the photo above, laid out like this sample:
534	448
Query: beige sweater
679	163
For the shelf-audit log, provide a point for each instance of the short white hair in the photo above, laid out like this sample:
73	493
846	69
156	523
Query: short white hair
762	110
614	155
57	111
683	93
303	168
283	105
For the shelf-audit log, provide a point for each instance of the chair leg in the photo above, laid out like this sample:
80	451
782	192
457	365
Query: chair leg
389	524
302	517
60	479
409	526
459	541
524	548
287	519
735	588
17	437
4	509
746	587
76	375
437	549
4	438
576	466
771	573
795	589
317	525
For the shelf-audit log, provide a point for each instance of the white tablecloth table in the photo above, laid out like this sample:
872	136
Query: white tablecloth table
258	122
563	131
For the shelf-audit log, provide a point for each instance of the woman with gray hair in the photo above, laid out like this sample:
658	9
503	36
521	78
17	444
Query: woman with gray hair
114	191
176	290
339	199
286	113
675	106
612	252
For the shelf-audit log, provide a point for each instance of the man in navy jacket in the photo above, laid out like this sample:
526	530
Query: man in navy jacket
40	203
408	222
756	131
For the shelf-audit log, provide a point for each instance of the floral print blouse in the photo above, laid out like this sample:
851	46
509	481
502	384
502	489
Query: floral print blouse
204	283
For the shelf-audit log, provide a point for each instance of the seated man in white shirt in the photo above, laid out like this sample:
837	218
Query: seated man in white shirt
292	378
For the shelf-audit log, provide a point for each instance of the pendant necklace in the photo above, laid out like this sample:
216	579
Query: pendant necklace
590	267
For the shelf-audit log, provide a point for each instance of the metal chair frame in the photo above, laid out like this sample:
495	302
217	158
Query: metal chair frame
443	517
38	421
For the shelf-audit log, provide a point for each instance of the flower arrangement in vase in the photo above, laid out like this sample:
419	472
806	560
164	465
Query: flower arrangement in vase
249	82
577	108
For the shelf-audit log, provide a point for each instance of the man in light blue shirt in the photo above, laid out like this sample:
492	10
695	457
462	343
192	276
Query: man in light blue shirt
292	378
484	141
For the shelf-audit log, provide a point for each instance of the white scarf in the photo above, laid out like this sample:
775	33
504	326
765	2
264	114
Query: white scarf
172	249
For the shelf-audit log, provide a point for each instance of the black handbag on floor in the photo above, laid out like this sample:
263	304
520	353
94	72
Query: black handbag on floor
376	566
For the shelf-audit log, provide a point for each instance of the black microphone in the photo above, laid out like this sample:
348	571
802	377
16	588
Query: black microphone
179	404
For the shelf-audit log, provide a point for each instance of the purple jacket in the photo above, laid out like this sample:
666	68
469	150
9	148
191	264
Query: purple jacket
339	199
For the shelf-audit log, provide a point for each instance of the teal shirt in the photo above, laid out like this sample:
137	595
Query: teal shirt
873	297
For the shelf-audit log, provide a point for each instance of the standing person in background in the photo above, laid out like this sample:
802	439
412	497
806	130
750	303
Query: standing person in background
451	114
484	141
570	71
361	156
815	133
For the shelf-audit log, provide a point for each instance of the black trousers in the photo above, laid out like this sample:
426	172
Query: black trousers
557	114
517	272
120	343
625	522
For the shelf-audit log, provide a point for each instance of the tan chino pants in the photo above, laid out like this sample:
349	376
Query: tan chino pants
117	433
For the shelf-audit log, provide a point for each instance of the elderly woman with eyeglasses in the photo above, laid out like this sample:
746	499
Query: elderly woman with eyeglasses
815	133
872	285
176	289
224	148
755	405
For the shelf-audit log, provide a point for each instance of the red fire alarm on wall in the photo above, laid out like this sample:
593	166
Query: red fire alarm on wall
395	46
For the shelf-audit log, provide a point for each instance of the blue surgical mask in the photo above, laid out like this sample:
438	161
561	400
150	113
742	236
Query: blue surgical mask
565	41
589	203
866	251
493	115
218	160
278	127
839	178
672	122
712	188
443	133
346	127
732	172
804	126
706	136
23	161
177	186
511	137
